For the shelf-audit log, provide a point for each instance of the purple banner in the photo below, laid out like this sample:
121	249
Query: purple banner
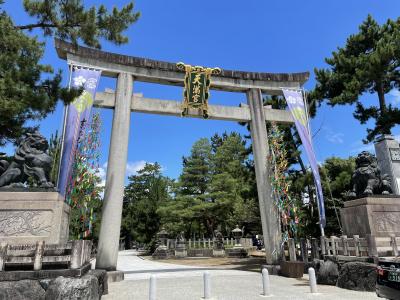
77	111
295	103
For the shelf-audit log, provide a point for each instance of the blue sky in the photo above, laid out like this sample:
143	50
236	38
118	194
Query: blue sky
265	36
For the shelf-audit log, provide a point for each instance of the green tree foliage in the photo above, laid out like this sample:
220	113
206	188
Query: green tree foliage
145	192
213	190
28	90
368	63
71	20
336	176
55	152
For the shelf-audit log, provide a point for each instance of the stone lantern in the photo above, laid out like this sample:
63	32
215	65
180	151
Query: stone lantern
237	250
161	251
237	235
162	238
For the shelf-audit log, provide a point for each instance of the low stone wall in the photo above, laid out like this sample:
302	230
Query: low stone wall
200	252
89	287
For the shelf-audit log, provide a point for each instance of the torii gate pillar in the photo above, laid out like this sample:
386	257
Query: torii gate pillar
107	254
268	210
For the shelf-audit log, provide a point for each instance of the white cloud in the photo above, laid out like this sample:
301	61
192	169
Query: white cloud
336	138
133	167
333	137
394	97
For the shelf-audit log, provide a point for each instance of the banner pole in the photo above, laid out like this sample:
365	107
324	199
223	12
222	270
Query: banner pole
71	67
312	145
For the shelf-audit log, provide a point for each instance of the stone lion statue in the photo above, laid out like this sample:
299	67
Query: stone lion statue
367	178
31	160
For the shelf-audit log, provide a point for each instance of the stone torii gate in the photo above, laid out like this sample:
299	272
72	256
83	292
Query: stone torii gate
128	69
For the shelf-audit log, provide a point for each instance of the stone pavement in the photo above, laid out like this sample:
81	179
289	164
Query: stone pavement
178	282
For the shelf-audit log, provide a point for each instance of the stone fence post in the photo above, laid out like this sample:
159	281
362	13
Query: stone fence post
345	245
371	242
323	246
314	249
356	239
304	250
37	263
3	255
77	253
292	250
394	245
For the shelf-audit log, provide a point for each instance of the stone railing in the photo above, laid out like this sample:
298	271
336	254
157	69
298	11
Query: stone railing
341	248
209	243
74	255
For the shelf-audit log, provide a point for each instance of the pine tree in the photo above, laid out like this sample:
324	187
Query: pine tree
368	63
28	90
145	193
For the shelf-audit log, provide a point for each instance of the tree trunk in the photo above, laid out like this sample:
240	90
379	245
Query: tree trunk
381	96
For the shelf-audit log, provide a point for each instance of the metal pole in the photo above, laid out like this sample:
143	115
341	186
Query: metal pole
313	281
71	68
207	285
265	281
152	288
312	146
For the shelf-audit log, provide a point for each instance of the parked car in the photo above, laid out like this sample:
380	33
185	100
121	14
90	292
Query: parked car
388	278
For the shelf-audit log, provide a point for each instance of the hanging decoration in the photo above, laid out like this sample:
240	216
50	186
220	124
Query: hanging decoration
280	184
83	191
197	84
76	112
295	102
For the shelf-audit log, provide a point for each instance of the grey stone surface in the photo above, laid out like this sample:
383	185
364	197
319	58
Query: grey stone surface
327	272
114	191
183	282
62	288
21	290
115	276
375	215
357	276
268	211
102	279
174	108
149	70
28	217
389	162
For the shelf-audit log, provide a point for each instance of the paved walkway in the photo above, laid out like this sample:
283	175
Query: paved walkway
178	282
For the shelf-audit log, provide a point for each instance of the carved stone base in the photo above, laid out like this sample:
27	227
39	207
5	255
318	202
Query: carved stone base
28	217
375	215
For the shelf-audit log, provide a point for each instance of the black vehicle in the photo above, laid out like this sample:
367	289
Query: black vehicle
388	278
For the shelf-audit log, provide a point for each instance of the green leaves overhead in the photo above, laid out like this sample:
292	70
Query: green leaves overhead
29	90
71	20
368	63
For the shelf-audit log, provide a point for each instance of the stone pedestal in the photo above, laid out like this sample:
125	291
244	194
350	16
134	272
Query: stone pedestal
237	252
180	253
376	215
180	250
387	152
218	252
28	217
161	253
